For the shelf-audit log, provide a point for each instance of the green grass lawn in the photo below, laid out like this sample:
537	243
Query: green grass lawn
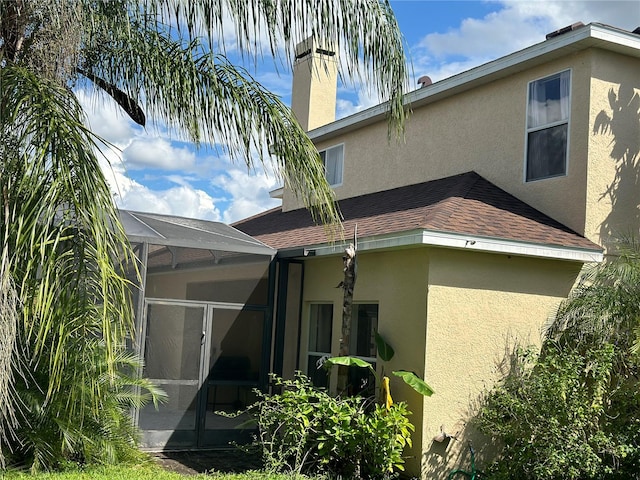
146	471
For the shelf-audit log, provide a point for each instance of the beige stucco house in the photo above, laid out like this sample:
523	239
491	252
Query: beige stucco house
510	178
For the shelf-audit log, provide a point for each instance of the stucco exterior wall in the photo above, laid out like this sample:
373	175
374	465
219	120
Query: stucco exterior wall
613	187
478	306
484	130
450	316
397	282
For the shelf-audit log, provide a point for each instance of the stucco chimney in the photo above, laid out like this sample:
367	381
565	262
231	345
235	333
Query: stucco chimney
315	84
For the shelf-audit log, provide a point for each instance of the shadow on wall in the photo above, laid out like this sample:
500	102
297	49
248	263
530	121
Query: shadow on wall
623	123
447	453
450	450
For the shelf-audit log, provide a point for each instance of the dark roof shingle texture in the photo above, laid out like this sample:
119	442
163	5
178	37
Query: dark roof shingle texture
462	204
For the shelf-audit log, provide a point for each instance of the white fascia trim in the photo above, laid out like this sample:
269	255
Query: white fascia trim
592	35
465	242
277	193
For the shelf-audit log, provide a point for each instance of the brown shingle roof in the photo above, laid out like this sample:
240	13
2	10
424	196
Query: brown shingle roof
463	204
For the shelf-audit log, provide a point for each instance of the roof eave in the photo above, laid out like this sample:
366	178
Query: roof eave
463	242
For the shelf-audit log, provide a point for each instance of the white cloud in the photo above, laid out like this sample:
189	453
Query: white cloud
157	152
515	25
244	193
361	100
249	193
182	200
496	34
623	14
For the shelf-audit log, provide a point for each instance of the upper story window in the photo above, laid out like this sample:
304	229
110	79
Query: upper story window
548	126
333	159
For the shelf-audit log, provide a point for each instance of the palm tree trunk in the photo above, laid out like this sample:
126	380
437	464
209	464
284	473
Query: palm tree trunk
12	26
348	284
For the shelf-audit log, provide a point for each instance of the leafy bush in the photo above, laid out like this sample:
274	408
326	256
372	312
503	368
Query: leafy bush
565	414
57	432
574	410
304	429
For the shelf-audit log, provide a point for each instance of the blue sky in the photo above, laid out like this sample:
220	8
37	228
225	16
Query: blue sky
151	172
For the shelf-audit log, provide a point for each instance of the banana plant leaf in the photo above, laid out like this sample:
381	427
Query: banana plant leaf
350	362
415	382
385	351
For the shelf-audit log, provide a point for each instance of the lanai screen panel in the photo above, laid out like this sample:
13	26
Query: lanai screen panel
206	333
172	361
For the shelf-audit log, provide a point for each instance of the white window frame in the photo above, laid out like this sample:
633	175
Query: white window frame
355	305
314	353
308	353
353	341
544	126
323	154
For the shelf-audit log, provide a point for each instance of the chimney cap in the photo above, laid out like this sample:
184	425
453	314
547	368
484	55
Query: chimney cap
310	45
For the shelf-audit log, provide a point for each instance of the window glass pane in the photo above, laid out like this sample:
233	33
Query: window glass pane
547	153
547	126
320	325
364	323
362	381
320	328
549	100
319	376
333	161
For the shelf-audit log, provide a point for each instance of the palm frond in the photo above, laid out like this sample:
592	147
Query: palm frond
160	63
208	99
65	232
9	355
605	306
365	30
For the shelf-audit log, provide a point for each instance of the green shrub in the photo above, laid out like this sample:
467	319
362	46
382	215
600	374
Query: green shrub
565	414
304	429
58	433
